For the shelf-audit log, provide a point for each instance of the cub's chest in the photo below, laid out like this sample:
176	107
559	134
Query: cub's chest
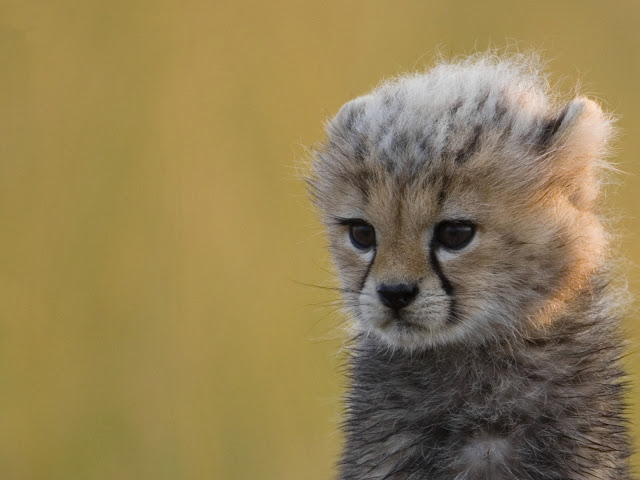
483	456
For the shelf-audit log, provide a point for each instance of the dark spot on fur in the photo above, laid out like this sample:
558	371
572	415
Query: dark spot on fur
471	147
549	128
399	143
349	121
506	132
388	162
383	132
360	151
425	149
455	107
483	100
352	115
500	111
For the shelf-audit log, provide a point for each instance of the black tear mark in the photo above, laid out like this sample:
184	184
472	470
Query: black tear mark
444	282
367	271
550	128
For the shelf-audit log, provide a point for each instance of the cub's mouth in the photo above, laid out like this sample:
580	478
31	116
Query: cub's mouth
425	322
402	322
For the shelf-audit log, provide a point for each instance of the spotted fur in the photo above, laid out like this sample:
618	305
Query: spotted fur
506	364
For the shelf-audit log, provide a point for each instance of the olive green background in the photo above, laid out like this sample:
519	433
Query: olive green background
155	239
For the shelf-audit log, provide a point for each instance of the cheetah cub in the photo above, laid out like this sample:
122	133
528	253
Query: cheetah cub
462	212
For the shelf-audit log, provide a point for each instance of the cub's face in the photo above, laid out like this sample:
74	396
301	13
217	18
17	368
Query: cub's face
477	238
442	258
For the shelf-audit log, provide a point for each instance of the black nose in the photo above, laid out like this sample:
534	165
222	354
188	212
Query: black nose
397	296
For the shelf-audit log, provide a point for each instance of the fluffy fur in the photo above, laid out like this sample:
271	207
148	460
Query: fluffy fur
505	365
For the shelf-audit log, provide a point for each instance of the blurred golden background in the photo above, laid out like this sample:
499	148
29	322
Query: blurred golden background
155	238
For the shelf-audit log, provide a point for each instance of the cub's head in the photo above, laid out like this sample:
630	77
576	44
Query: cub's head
460	203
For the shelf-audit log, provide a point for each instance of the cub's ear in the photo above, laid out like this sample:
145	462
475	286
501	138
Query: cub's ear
349	119
576	141
347	130
580	131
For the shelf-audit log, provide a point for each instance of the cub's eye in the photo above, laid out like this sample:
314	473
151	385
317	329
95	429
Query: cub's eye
455	234
363	235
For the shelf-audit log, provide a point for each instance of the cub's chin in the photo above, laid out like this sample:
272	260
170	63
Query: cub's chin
407	330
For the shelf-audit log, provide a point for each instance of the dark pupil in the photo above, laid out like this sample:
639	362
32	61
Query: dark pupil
455	235
363	236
